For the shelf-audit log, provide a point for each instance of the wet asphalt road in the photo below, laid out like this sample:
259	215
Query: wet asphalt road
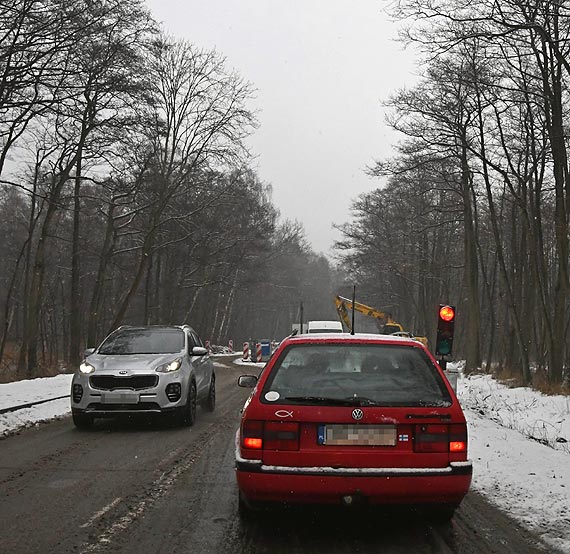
146	487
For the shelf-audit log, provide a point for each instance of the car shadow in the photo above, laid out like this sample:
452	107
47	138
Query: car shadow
334	523
133	423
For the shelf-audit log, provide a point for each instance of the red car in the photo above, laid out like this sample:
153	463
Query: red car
346	419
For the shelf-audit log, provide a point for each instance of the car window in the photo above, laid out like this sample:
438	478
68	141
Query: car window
196	339
191	341
385	374
143	341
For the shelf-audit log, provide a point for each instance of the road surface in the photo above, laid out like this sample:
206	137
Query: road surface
146	487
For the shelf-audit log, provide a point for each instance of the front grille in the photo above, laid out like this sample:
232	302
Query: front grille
134	382
140	407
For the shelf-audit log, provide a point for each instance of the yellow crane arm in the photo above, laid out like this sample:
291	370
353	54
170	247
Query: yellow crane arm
343	305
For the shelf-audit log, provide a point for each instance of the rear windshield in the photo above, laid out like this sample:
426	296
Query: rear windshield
338	374
143	341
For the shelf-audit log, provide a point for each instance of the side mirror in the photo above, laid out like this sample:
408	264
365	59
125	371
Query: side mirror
247	381
199	351
452	374
89	351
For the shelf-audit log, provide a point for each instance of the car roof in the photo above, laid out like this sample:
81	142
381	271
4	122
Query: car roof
347	338
180	327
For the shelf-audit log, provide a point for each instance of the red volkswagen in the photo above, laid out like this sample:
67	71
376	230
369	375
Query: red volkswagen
347	419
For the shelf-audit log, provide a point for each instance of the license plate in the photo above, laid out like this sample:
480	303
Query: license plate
119	398
357	435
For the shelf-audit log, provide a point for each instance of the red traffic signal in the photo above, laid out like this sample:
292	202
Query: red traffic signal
445	329
447	313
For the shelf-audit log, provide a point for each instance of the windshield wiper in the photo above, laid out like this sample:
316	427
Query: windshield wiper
319	400
363	401
350	401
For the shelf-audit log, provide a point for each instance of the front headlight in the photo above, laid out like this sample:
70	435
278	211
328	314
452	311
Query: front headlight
86	367
174	365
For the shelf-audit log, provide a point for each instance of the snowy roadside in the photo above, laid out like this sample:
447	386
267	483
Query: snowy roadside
545	419
32	390
518	439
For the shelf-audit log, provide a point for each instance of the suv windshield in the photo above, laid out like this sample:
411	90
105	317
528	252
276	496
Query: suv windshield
353	374
143	341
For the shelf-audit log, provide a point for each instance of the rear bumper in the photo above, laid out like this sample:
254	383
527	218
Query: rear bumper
327	485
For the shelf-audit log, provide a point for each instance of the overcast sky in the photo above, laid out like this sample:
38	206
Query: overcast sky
321	69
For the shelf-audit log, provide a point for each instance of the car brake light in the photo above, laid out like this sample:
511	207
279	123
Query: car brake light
458	437
252	434
270	435
250	442
440	438
280	435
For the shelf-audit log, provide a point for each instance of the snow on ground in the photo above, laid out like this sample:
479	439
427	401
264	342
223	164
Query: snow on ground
24	392
540	417
518	439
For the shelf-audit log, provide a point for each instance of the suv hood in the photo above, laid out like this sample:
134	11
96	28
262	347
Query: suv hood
132	362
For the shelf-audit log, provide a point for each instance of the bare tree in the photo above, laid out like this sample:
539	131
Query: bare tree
199	119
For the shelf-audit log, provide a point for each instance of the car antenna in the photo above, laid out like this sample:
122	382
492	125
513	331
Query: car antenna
353	301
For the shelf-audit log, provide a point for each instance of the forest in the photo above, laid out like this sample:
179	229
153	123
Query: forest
128	194
476	204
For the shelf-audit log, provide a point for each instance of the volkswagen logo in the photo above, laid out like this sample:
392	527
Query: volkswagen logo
357	414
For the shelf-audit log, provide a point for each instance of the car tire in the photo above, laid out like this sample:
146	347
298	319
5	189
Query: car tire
210	403
188	414
82	421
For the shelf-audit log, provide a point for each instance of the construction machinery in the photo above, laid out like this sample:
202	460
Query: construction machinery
386	324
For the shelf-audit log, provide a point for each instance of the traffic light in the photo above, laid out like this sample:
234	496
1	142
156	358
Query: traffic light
445	325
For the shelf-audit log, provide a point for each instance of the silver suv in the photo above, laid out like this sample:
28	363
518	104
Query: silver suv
150	369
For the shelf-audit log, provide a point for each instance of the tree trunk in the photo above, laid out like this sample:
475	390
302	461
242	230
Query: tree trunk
558	339
137	279
473	324
75	299
148	292
98	287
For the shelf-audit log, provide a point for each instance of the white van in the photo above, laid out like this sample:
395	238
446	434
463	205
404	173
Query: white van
325	327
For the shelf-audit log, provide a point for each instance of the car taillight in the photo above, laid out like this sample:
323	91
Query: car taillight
458	438
269	435
441	438
279	435
431	438
252	434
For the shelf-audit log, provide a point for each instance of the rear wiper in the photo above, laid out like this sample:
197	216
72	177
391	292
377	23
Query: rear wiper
362	401
350	401
320	400
431	403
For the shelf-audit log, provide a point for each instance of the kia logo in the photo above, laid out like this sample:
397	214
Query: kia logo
357	414
122	372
